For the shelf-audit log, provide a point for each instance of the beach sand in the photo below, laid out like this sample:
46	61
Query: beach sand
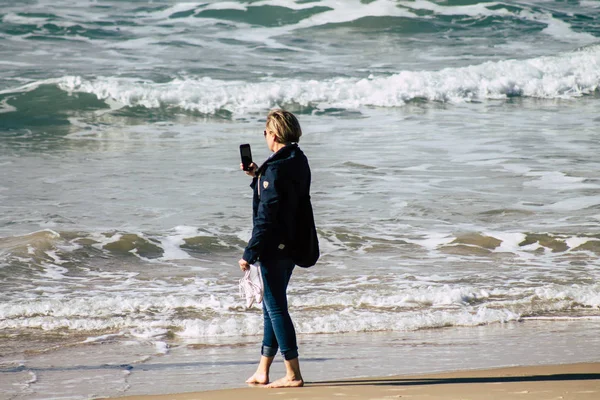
569	381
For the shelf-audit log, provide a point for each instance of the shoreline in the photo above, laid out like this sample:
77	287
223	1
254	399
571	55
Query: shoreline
119	366
579	381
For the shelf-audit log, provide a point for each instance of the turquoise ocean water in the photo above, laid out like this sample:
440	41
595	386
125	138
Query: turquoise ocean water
456	185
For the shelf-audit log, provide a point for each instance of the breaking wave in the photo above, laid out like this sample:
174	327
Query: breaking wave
566	76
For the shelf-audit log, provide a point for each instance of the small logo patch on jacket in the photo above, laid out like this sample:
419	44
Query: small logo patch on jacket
265	184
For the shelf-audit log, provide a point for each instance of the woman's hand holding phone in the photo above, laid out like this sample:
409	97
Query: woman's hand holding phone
251	169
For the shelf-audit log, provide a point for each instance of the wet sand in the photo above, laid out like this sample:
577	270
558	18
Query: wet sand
566	382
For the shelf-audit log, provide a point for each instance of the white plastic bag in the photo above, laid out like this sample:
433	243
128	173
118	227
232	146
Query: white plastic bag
251	286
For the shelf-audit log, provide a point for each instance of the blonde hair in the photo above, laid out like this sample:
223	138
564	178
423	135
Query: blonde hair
284	125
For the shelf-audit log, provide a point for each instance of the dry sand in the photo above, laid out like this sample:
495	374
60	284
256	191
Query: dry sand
554	382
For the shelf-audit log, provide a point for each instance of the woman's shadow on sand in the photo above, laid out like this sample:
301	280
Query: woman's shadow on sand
443	381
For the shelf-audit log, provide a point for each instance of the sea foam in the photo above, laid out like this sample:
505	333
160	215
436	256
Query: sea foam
139	314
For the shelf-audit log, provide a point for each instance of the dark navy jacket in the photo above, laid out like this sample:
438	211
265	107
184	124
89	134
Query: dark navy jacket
279	184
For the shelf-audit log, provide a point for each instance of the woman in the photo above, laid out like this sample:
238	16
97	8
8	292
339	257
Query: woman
278	185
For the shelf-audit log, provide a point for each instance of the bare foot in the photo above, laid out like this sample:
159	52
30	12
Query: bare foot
258	379
286	382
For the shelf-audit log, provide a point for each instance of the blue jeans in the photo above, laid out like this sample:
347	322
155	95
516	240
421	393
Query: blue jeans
279	332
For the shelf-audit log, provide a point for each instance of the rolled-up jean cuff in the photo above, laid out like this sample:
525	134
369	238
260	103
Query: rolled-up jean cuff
290	354
268	351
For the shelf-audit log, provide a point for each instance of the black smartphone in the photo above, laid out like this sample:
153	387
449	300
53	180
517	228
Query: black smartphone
246	156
